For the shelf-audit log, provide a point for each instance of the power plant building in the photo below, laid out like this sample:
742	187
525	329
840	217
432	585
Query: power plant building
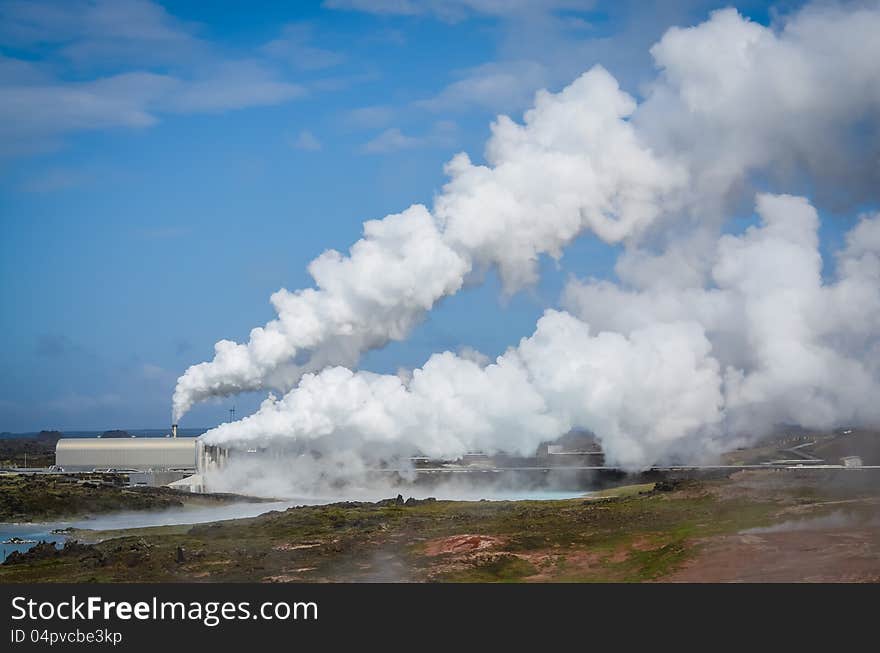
141	454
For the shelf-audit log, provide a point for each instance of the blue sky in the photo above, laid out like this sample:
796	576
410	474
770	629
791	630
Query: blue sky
164	167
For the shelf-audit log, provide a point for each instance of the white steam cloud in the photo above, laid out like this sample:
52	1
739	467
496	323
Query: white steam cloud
576	163
642	392
707	334
791	348
378	293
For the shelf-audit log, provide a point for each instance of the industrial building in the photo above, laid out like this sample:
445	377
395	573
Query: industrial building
140	454
178	462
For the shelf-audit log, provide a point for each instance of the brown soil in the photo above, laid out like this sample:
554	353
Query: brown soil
800	553
460	544
575	563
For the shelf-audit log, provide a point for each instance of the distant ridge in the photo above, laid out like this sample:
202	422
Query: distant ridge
139	433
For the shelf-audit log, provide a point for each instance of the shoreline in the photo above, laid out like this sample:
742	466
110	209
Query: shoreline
675	530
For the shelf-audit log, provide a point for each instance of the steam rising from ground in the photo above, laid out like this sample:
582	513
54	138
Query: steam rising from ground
303	480
705	337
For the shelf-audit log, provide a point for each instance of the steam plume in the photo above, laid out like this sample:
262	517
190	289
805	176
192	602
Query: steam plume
704	337
596	176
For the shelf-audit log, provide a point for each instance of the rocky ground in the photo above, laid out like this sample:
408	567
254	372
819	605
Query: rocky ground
809	525
45	497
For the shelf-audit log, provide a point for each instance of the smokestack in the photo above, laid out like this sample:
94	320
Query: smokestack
174	430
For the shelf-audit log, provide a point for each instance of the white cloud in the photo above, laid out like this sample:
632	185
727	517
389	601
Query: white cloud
295	47
110	64
232	85
443	133
497	86
32	114
390	140
307	141
369	117
456	10
89	32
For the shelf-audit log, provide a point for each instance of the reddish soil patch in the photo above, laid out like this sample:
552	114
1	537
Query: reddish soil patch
822	555
576	564
287	578
618	555
643	544
461	544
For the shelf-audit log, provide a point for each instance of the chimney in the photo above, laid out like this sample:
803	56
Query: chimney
174	430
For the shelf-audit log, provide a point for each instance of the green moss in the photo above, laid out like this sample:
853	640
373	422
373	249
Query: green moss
501	568
633	537
623	491
654	563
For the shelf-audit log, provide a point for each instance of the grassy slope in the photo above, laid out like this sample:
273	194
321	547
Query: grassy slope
356	542
629	537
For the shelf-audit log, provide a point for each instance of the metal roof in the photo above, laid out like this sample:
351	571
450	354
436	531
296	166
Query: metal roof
134	453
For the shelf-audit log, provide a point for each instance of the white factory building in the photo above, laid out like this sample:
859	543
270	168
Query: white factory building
140	454
178	462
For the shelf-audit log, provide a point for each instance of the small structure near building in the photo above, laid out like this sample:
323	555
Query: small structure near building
194	483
